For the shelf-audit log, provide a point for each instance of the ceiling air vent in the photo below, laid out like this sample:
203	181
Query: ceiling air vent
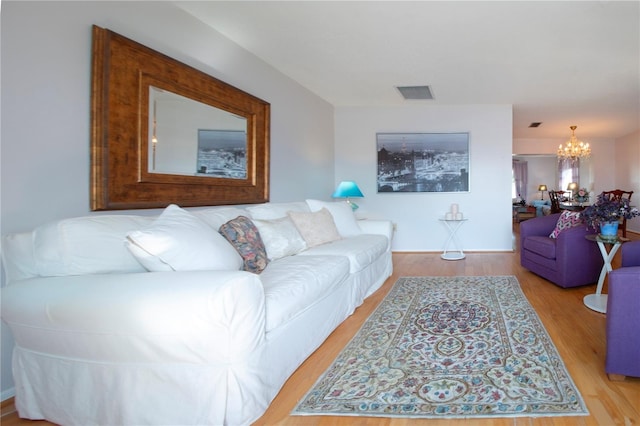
415	92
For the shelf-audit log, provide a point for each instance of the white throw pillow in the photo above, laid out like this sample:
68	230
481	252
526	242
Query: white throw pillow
179	241
342	214
316	227
280	237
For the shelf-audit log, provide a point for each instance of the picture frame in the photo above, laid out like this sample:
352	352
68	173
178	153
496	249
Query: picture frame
222	153
422	162
130	167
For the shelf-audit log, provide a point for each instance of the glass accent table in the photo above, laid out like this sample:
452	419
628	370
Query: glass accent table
598	301
455	252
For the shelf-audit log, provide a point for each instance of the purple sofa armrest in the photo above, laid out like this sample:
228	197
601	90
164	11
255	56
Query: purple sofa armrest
623	322
631	254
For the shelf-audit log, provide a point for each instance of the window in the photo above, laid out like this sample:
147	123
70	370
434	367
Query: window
568	171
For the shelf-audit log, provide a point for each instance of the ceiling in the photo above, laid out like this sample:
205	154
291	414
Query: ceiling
561	63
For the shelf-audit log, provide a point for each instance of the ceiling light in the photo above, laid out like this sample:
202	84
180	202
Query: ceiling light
573	148
415	92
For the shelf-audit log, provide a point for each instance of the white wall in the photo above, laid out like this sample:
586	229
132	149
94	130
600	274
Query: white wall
46	67
613	164
541	169
595	173
487	204
627	171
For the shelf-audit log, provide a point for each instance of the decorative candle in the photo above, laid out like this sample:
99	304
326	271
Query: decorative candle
459	216
454	208
448	216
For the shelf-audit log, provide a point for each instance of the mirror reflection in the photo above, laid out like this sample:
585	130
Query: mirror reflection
187	137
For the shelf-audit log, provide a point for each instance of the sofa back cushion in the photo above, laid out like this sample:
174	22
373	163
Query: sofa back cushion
215	217
269	211
86	245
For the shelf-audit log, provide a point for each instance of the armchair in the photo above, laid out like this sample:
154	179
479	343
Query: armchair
570	260
623	316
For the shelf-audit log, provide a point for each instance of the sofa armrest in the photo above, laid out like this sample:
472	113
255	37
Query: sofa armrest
198	316
377	226
631	254
623	322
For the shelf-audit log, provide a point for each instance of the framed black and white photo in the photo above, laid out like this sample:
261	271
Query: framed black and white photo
423	162
222	153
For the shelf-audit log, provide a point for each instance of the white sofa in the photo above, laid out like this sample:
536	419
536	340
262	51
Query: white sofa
101	340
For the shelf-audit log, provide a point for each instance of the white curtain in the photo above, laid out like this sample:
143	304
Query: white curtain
568	171
520	175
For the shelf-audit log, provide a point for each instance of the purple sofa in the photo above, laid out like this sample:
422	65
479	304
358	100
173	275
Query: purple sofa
568	261
623	315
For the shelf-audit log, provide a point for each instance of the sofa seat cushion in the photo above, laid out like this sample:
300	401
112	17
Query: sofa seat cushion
292	284
542	246
361	250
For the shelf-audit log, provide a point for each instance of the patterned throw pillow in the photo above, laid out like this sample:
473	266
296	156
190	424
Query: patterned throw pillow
244	236
567	219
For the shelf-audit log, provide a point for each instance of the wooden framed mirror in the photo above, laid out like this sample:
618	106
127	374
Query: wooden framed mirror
163	132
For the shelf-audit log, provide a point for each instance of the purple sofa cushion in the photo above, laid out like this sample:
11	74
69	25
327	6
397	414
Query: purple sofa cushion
543	246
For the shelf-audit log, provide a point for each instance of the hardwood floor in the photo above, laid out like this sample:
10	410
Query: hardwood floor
577	332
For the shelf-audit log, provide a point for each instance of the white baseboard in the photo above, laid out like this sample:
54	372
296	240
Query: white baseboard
7	394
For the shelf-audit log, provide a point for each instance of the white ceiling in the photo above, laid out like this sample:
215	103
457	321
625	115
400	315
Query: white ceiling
561	63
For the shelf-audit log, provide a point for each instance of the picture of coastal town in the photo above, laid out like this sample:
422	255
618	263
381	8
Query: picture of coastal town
423	162
222	153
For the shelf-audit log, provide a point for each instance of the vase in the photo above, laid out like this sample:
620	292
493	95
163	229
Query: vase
609	230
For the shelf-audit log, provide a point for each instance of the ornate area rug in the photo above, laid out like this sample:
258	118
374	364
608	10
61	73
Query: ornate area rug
448	347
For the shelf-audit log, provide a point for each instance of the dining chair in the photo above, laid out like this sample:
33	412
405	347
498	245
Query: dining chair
618	194
555	201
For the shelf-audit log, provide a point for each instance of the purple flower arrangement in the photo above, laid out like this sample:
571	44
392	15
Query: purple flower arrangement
606	210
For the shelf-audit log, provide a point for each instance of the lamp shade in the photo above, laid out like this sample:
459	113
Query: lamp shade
573	186
542	187
347	189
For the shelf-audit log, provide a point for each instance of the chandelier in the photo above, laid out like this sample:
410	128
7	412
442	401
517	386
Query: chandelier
573	148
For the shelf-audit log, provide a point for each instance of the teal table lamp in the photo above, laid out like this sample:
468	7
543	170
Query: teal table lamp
348	189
